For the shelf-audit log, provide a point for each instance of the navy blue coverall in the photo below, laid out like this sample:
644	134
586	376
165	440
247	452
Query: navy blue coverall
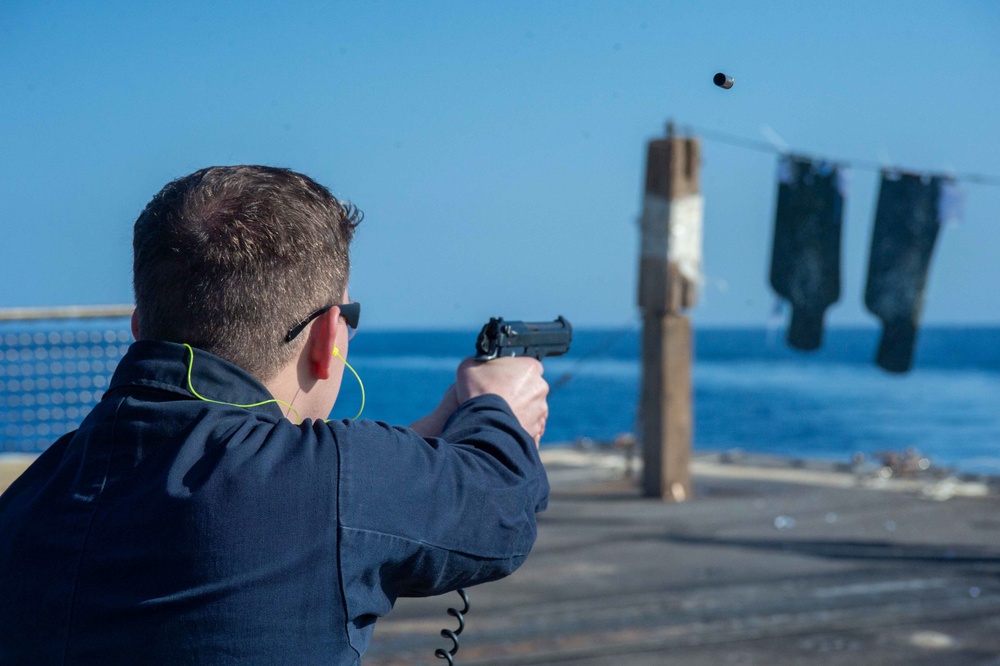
168	530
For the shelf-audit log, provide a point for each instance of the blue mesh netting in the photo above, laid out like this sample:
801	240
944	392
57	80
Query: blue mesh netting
52	372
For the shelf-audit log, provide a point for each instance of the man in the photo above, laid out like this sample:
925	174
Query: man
204	512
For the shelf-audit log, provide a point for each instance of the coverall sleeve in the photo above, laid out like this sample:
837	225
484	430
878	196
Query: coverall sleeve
420	517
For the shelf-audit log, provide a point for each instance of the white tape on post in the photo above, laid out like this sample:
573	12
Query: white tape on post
672	229
684	247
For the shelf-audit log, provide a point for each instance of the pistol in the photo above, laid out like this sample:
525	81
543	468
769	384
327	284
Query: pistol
537	339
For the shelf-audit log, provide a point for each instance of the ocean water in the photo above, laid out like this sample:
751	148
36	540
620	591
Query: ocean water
750	391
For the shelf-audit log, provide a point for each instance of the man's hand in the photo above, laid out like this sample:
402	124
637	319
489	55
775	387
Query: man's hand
518	380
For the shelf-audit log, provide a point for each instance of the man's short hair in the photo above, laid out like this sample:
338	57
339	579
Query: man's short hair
227	259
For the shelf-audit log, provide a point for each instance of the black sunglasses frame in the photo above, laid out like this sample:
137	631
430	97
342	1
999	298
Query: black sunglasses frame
351	312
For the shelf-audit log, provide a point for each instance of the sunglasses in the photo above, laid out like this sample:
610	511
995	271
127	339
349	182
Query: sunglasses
351	312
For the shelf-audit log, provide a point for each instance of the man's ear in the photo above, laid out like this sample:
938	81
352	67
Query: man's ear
322	338
135	324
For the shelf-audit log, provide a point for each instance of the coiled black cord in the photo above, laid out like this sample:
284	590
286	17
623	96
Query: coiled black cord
459	615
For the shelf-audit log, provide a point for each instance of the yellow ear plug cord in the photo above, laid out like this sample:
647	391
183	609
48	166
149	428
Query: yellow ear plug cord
336	352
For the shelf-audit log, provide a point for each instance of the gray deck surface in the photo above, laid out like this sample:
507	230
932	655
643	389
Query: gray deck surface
767	565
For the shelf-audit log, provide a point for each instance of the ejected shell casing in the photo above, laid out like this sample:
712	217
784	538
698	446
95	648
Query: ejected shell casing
723	81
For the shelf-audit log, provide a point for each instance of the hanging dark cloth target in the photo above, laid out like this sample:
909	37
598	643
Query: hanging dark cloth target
907	220
805	261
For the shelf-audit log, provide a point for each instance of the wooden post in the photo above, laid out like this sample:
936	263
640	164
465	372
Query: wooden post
669	275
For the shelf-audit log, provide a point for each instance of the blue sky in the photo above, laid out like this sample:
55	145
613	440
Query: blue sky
496	148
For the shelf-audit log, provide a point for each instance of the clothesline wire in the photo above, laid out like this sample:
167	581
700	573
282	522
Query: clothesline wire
607	343
866	165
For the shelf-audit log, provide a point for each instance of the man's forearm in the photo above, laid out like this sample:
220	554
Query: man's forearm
432	424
